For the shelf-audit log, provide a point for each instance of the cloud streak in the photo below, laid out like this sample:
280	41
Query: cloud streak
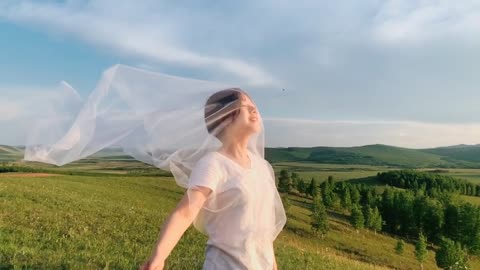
418	21
144	36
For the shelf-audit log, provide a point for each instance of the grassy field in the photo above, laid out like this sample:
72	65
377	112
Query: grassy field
112	222
341	172
307	170
472	175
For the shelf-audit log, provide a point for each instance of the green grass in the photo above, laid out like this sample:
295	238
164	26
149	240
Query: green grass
88	222
471	199
307	170
112	222
104	218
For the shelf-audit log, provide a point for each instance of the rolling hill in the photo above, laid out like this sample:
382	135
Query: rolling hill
457	156
466	156
8	153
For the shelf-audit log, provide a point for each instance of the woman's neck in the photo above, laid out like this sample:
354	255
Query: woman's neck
235	147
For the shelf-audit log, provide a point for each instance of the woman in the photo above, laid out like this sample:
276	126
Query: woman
231	195
211	141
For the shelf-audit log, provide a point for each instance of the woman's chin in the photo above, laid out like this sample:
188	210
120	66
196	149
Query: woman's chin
255	129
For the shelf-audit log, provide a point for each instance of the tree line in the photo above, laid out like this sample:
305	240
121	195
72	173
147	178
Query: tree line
414	205
432	184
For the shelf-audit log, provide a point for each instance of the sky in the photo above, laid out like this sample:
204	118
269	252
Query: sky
401	73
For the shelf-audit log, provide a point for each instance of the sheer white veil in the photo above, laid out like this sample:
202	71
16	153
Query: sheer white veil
156	118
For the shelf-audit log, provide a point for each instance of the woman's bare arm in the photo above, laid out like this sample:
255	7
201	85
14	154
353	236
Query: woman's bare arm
275	267
176	224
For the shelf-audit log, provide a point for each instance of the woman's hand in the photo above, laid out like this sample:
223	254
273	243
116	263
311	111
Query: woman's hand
155	263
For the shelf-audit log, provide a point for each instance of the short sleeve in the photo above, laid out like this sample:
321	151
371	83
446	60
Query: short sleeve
270	170
206	173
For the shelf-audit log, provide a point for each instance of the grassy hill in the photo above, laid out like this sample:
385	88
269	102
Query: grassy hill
10	149
380	155
81	222
101	217
462	152
459	156
10	153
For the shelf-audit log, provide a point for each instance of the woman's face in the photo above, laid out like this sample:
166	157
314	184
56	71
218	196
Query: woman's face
248	118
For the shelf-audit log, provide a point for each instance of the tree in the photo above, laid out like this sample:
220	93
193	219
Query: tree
377	221
451	255
295	180
346	199
284	182
355	195
368	216
399	247
421	249
469	226
319	217
301	187
356	218
327	193
313	188
433	220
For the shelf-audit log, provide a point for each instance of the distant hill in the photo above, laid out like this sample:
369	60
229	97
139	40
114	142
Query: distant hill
462	152
466	156
8	153
6	149
456	156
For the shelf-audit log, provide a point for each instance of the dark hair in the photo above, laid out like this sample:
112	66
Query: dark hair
217	101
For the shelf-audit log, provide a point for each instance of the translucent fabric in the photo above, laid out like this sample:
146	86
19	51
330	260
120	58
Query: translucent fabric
162	120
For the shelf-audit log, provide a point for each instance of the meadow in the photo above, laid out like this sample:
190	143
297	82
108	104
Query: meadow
96	214
111	220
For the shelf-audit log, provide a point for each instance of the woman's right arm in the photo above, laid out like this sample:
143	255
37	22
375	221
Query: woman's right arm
176	224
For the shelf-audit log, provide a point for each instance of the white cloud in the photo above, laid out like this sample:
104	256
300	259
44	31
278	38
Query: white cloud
390	60
146	34
22	106
419	21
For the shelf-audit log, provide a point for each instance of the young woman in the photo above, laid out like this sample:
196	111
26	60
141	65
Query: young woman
211	141
231	195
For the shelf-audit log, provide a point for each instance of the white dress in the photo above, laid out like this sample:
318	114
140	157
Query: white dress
242	216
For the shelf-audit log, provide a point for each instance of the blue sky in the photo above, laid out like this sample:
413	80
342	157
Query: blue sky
355	72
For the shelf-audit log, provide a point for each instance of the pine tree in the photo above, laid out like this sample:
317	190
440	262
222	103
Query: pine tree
312	188
355	194
377	221
368	216
284	182
319	217
301	187
421	249
327	193
346	199
356	218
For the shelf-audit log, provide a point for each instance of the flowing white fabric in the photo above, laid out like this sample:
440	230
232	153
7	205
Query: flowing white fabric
161	120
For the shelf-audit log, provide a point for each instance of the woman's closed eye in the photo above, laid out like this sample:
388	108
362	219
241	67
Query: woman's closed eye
250	108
